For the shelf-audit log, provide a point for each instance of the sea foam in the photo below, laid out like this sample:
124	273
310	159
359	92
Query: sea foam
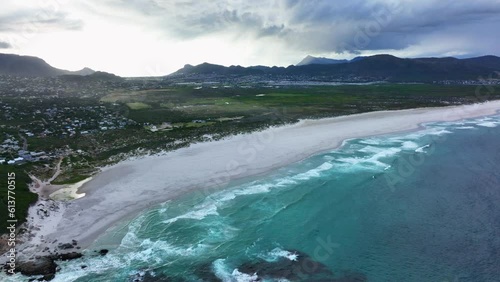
279	253
223	272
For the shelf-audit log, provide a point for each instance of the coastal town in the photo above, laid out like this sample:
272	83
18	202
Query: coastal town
53	121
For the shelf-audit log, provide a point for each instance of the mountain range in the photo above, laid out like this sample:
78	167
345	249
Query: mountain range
310	60
373	68
28	66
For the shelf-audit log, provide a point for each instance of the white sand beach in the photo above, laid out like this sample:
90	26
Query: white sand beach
129	187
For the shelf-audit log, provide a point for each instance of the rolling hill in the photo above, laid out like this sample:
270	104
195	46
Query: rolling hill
27	66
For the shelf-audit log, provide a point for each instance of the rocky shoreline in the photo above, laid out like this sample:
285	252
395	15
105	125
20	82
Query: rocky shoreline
36	256
44	268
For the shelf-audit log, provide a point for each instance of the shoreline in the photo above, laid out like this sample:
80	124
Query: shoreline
125	189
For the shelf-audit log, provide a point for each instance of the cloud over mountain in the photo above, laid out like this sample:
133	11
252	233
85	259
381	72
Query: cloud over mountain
260	31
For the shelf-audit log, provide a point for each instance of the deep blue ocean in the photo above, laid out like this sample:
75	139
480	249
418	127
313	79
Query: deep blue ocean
418	206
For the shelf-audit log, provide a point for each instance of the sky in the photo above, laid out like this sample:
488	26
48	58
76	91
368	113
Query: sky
157	37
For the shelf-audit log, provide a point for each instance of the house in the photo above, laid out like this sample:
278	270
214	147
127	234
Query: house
2	161
37	154
11	162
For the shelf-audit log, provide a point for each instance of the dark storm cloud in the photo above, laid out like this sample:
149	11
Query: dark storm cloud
324	26
320	26
375	25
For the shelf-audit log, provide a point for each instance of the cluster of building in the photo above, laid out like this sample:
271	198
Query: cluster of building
14	86
27	156
12	153
24	123
66	121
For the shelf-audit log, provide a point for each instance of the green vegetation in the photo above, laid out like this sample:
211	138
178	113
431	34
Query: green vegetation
74	179
182	104
23	197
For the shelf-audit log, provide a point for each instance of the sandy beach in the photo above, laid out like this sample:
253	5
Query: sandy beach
125	189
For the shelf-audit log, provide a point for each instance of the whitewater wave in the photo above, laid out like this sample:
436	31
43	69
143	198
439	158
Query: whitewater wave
371	162
277	254
199	213
226	274
371	141
213	202
313	172
153	254
430	131
490	124
370	150
409	145
422	149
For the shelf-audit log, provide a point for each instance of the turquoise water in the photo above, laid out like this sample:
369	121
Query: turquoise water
420	206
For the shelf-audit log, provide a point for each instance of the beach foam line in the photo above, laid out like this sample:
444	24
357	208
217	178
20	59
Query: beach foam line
488	124
213	202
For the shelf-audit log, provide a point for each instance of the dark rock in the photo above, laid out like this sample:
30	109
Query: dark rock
303	269
83	266
69	256
205	273
65	246
48	277
45	266
42	266
74	242
103	252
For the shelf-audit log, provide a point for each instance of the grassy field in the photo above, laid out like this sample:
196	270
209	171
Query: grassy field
182	104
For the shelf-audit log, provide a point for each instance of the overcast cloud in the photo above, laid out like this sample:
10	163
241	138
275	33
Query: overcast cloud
242	32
